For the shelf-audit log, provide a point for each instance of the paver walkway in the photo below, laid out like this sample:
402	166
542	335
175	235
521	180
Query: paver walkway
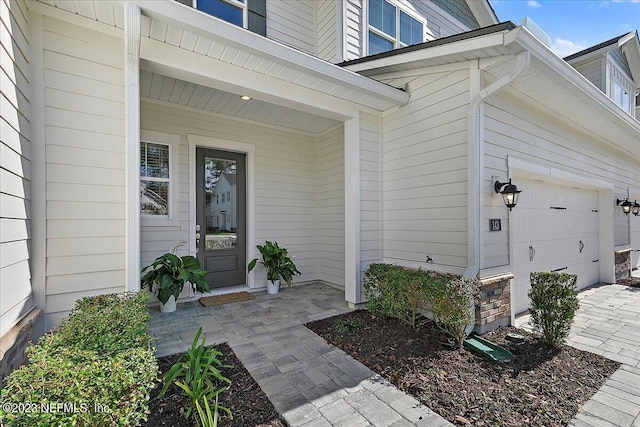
309	382
314	384
608	324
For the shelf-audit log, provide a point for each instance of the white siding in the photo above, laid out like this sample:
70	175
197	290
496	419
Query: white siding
370	197
85	179
285	184
593	70
514	129
330	208
292	22
425	174
327	29
438	23
15	155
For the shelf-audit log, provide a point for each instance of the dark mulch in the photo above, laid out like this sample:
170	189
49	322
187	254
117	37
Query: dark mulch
244	397
539	386
631	281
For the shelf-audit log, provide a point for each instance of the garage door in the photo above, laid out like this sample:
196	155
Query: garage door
555	228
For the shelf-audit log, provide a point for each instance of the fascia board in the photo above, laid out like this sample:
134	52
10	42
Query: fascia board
447	49
523	38
217	30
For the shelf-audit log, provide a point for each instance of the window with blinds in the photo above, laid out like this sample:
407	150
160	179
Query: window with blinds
154	178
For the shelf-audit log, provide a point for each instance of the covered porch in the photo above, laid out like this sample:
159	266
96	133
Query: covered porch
309	134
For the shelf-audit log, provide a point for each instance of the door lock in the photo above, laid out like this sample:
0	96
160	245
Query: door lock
581	246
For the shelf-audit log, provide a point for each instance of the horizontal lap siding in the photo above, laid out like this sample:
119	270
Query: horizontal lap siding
85	165
514	129
327	30
285	190
293	23
370	199
15	164
331	207
425	173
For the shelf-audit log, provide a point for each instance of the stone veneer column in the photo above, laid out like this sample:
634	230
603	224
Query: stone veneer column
494	308
623	264
14	342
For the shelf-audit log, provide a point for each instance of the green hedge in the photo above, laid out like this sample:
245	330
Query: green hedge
98	370
403	293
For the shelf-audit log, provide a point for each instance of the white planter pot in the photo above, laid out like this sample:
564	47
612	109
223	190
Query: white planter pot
273	287
170	306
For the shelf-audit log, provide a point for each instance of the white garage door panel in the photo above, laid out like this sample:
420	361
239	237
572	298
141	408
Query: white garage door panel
554	228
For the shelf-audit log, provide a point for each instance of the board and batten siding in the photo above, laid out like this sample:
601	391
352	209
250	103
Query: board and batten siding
330	206
370	197
540	137
327	30
85	165
425	174
15	164
438	23
285	184
293	23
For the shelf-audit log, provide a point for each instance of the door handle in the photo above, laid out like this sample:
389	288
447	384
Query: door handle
581	246
197	237
532	253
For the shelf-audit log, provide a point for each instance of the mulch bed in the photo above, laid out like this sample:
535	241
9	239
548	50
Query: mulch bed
539	386
631	281
244	397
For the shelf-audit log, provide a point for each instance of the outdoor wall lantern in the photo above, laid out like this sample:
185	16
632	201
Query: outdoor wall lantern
509	193
636	208
625	204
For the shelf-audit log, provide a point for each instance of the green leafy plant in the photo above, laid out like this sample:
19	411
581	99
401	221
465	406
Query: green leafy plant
554	302
342	326
198	374
451	305
169	273
276	261
106	383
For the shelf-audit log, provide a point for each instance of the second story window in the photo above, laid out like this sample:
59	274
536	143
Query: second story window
621	89
390	27
250	14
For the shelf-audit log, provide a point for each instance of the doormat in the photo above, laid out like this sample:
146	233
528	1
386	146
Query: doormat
225	299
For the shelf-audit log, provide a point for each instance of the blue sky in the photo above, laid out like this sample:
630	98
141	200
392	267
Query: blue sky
573	25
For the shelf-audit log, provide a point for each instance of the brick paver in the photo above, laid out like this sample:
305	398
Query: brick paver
308	381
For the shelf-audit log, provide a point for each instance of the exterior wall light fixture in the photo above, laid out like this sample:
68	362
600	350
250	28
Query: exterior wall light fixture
509	193
625	204
636	208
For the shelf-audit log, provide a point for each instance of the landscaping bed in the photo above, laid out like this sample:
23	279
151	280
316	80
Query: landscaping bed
539	386
631	281
244	397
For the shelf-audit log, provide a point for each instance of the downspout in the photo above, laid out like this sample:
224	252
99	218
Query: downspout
475	152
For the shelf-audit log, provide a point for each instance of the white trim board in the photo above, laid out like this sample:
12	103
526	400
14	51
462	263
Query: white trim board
227	145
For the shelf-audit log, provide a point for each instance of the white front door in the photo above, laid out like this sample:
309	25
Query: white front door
555	228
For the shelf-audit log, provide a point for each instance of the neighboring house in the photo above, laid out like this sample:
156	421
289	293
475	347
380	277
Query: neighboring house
223	209
390	156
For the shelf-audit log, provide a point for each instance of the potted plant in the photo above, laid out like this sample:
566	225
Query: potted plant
167	276
278	265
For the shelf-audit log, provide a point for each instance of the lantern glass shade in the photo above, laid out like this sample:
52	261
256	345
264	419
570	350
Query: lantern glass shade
509	193
636	208
626	206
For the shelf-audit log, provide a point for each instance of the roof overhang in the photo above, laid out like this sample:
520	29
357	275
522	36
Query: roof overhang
483	12
549	81
631	48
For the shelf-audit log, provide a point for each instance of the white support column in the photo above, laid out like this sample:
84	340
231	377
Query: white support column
352	293
132	141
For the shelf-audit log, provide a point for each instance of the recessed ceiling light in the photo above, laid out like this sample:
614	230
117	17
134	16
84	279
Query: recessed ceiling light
245	98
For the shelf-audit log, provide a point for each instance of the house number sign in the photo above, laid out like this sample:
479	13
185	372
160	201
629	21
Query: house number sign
495	225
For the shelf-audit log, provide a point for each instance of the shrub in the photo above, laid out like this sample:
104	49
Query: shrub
99	368
108	324
198	374
452	305
554	302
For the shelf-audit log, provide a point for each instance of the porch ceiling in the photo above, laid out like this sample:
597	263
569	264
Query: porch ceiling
187	94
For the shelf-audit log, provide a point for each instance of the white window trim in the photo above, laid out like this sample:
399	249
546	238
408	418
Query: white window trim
236	3
173	141
395	40
617	75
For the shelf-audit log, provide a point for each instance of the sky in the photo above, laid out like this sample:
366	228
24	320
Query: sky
573	25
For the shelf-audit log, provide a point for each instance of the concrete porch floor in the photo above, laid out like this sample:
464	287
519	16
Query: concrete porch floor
314	384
